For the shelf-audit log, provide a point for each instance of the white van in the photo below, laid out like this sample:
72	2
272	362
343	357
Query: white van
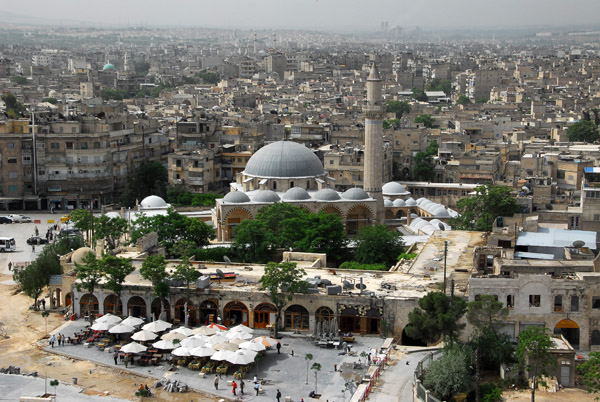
7	244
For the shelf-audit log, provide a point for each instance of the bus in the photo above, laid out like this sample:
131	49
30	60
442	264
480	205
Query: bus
7	244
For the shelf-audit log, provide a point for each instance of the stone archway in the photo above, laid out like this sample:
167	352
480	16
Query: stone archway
570	330
235	313
209	311
113	305
262	315
155	309
180	311
324	313
232	219
407	340
357	217
68	299
136	307
350	320
373	321
296	318
330	209
87	307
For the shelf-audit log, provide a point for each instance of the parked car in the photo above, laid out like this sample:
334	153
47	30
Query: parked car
5	219
20	218
37	240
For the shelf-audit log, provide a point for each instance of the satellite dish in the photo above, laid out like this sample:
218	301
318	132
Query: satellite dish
361	286
226	259
526	189
529	172
441	225
348	285
578	243
220	273
545	172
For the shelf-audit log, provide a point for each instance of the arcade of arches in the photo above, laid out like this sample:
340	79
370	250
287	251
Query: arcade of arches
570	330
87	307
357	218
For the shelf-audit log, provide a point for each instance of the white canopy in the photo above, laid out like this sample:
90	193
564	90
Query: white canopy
133	347
133	321
171	336
102	326
241	328
222	355
203	351
157	326
239	335
108	318
193	342
225	346
181	352
213	340
254	346
240	357
144	335
164	345
184	331
205	331
121	329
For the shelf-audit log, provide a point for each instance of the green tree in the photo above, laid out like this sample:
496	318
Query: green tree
486	313
425	119
110	229
50	100
251	244
82	220
377	244
281	281
419	95
398	107
391	123
186	272
437	315
316	367
424	165
14	108
89	274
33	281
463	100
208	77
141	67
324	233
438	84
479	211
308	357
481	101
116	270
583	131
19	79
533	354
450	374
154	269
149	179
64	246
114	94
590	373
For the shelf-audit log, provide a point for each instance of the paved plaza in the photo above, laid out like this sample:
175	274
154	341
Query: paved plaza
285	371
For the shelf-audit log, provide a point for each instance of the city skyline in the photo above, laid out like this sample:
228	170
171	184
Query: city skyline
324	15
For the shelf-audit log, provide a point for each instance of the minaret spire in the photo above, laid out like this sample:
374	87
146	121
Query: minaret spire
373	167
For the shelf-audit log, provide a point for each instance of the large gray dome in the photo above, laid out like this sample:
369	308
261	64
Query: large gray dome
296	194
394	188
236	197
327	194
153	201
284	159
266	196
355	194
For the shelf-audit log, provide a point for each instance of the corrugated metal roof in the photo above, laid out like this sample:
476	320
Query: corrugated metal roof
550	237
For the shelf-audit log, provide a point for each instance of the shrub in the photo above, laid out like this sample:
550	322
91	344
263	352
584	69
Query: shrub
213	254
490	393
365	267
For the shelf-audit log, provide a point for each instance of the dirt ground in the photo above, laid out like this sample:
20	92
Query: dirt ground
24	329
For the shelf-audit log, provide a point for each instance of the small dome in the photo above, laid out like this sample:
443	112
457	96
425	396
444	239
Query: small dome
80	254
440	212
410	202
266	196
153	201
355	194
327	194
109	67
415	222
236	197
284	159
426	205
53	94
394	188
388	203
296	194
399	202
112	214
421	200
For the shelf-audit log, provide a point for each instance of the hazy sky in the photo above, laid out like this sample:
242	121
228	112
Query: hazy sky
315	14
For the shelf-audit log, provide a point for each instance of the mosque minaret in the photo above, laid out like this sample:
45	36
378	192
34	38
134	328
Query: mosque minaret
374	141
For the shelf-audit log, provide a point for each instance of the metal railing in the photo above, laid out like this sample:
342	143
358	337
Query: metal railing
420	393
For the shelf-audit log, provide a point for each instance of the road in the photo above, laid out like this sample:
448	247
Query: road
397	379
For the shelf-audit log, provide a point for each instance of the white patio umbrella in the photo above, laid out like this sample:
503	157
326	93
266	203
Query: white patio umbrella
157	326
240	357
133	347
121	329
203	351
164	345
171	336
204	331
108	318
144	336
184	331
222	355
133	321
181	352
213	340
239	335
254	346
236	341
192	342
266	340
225	346
102	326
241	328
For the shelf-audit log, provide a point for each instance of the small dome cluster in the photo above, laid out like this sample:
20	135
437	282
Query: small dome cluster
428	227
433	208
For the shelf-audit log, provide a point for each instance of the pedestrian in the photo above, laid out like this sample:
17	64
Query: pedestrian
242	386
10	266
58	338
126	360
33	247
369	358
234	386
52	340
407	363
334	367
255	379
37	232
256	387
278	348
278	395
216	381
43	301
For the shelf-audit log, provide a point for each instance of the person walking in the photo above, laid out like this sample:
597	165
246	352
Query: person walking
257	388
37	232
43	301
116	357
216	381
33	247
242	386
278	348
59	338
234	387
278	395
52	340
126	360
10	265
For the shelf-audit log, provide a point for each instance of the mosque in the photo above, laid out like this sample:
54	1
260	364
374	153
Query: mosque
286	171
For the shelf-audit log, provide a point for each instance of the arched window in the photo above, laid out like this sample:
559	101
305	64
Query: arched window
296	317
324	314
274	185
595	337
